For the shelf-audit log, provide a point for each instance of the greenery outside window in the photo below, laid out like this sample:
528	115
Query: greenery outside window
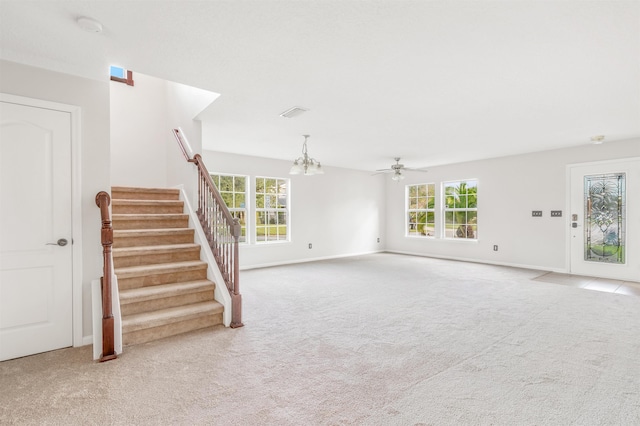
272	209
420	210
233	190
461	209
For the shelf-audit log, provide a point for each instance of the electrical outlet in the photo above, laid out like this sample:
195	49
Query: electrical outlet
556	213
378	239
495	247
310	245
536	213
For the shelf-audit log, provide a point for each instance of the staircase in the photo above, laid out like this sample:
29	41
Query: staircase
162	282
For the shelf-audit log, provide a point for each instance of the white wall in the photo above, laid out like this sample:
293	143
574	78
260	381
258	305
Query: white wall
138	133
184	103
144	151
341	213
509	188
93	99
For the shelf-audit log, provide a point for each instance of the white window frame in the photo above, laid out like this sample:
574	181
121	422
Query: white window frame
426	210
247	201
470	224
277	211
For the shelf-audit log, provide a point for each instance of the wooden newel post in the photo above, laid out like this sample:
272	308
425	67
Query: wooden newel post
106	238
236	297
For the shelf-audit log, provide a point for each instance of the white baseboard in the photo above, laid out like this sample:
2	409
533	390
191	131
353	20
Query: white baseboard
487	262
459	259
306	260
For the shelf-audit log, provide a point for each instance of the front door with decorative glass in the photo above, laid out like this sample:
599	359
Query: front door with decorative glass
604	225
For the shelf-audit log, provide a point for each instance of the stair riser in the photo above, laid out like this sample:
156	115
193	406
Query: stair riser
155	333
166	302
166	194
153	240
126	283
146	209
156	258
159	223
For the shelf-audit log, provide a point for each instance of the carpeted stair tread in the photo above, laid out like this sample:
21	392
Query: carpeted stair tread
150	220
161	268
130	206
134	202
152	236
165	290
139	250
122	192
154	254
150	231
149	216
136	189
170	315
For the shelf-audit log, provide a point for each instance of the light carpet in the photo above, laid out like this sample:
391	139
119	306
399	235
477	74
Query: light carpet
381	339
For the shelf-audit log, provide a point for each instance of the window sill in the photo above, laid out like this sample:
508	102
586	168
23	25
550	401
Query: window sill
266	243
431	238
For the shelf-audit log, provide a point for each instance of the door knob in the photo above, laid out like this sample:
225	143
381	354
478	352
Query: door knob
61	242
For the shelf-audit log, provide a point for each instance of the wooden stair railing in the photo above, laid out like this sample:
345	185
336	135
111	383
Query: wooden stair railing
106	238
221	229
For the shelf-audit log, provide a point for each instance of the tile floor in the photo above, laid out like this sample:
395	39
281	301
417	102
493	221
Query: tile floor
630	288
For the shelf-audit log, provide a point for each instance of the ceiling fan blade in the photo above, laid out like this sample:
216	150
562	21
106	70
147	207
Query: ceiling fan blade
399	168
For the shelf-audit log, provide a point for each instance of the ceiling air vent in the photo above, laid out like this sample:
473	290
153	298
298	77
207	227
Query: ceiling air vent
293	112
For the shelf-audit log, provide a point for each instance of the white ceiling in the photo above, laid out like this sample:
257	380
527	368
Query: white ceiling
433	82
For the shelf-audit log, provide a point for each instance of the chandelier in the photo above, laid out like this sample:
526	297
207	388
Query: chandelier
306	165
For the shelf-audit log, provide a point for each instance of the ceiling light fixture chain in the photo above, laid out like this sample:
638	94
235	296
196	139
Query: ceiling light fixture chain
306	165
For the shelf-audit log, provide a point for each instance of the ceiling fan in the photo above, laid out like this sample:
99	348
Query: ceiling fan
397	169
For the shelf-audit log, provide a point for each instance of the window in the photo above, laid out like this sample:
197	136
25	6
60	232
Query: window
121	75
461	209
272	209
420	210
233	190
604	218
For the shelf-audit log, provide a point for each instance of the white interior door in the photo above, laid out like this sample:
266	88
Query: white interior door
605	219
35	221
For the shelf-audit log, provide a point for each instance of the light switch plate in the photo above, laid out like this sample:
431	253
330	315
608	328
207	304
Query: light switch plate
556	213
536	213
